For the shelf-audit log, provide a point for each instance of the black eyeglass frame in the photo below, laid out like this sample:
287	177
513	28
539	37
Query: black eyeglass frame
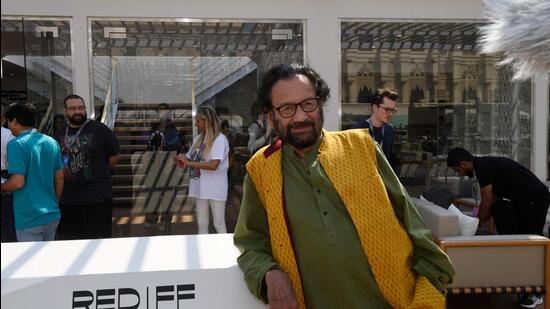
295	107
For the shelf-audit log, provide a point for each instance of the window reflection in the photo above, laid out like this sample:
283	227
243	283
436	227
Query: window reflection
37	64
450	95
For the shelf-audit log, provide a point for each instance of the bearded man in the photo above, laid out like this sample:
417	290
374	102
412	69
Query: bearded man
324	221
89	150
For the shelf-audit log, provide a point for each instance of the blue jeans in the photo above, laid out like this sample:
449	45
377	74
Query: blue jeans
44	232
6	217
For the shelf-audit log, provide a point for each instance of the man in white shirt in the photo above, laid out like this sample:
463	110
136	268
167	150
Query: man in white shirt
7	225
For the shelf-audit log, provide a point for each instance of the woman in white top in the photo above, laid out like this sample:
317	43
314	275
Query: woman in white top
208	163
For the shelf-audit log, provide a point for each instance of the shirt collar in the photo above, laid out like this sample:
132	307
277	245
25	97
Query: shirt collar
309	157
369	120
28	131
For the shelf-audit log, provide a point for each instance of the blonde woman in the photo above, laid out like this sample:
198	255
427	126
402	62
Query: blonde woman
208	163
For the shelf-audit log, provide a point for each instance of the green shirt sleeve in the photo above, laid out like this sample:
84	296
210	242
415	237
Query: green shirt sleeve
428	260
252	238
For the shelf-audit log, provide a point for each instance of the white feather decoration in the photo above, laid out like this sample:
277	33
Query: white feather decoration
521	30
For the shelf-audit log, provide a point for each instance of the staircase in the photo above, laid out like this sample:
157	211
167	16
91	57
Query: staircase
147	183
150	192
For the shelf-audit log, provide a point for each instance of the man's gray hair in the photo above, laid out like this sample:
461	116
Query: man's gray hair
520	29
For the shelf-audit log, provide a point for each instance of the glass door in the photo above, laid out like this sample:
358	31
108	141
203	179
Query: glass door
152	85
161	71
37	65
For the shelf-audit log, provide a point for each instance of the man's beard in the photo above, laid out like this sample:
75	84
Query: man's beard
77	119
302	140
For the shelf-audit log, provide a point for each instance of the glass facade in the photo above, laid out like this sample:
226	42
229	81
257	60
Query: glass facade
165	69
450	95
146	70
37	64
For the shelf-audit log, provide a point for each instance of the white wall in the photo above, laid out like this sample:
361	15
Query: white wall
46	274
322	31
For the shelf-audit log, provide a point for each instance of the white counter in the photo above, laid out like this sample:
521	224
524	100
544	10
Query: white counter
191	271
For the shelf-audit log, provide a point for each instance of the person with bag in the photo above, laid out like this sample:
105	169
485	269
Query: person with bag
157	140
173	140
165	137
208	162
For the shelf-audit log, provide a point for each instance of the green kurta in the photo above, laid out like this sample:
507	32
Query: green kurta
334	269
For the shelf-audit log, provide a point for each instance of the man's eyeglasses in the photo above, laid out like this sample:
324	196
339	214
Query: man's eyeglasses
388	110
288	110
76	108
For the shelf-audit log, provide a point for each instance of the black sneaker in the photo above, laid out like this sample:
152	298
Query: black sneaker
530	300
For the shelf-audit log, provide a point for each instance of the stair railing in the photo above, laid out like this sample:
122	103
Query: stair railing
46	124
110	107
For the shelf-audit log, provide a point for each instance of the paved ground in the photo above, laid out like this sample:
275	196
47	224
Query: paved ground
128	224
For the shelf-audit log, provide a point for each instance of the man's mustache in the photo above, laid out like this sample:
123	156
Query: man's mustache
303	124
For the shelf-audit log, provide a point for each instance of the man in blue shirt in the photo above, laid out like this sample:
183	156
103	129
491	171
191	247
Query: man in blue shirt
36	176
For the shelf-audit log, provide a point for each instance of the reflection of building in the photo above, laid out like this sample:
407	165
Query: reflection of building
454	96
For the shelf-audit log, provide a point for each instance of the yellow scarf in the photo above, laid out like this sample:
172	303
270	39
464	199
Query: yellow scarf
349	159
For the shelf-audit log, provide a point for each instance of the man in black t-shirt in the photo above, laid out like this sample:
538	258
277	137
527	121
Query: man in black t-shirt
516	199
90	150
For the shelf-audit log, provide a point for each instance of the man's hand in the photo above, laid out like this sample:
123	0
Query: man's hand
113	160
59	183
280	293
484	213
15	182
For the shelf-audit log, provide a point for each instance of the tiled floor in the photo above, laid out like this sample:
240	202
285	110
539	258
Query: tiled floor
126	223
